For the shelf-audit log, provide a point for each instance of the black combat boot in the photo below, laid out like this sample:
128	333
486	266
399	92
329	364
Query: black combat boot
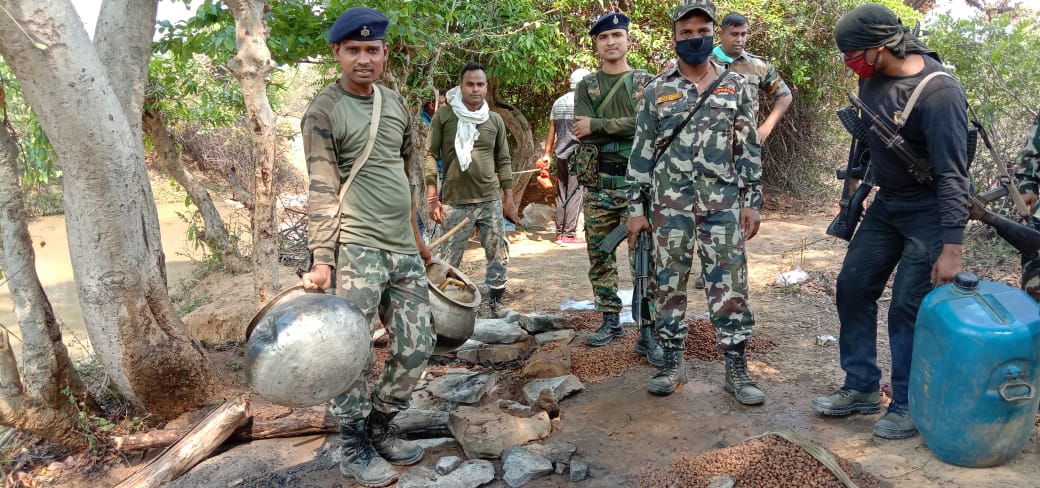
648	346
498	309
360	459
387	442
737	379
672	374
606	332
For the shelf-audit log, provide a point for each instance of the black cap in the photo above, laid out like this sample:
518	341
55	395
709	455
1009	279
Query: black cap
966	282
609	22
358	24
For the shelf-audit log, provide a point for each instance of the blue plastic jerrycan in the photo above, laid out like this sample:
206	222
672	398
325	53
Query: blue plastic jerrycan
975	369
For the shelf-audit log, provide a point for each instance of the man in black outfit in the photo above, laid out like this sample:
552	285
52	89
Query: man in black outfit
914	225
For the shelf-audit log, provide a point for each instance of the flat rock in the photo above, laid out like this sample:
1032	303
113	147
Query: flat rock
561	387
435	442
429	422
497	331
490	354
462	388
563	335
486	431
469	474
535	323
557	452
520	466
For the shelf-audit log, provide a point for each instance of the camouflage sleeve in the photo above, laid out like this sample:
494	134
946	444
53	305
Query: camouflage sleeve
1028	169
641	163
323	194
433	149
747	152
773	85
503	163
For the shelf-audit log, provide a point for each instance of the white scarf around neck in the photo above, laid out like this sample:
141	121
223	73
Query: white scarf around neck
466	133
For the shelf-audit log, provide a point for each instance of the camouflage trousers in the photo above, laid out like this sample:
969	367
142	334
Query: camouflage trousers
723	262
394	286
487	218
605	209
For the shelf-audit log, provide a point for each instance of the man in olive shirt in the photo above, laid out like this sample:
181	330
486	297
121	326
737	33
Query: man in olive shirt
371	236
604	116
760	73
478	178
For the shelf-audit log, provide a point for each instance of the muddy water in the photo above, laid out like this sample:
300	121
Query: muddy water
55	270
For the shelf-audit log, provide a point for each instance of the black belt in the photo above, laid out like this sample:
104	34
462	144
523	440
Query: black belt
618	168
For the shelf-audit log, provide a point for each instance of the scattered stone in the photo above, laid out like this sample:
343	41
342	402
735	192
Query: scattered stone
548	403
236	482
579	469
420	421
497	331
521	466
559	468
462	388
561	387
557	452
535	323
548	362
470	474
447	464
563	335
486	431
490	354
435	442
724	480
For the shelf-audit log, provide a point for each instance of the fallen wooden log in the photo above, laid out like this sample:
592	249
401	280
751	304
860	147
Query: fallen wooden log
301	422
310	421
193	447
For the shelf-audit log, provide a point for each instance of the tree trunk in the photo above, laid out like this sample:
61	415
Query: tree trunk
39	407
111	220
215	235
524	154
251	66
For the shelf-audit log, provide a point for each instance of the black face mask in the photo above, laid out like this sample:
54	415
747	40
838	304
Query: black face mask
695	51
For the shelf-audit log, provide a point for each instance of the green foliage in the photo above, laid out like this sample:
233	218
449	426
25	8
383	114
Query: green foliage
37	162
95	428
193	89
996	62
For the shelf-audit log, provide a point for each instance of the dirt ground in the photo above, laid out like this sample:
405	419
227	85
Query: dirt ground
622	430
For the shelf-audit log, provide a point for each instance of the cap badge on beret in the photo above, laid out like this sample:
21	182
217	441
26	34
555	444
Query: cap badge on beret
365	32
615	20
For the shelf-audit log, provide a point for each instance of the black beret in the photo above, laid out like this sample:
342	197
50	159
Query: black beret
609	22
358	24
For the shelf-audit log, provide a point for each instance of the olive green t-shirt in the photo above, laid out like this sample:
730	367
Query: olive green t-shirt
491	170
618	122
376	211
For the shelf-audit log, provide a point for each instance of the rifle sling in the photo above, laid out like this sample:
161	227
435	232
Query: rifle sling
678	129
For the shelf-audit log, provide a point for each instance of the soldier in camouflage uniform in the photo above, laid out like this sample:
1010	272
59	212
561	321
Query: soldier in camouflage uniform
371	234
701	185
760	74
1028	173
472	142
604	117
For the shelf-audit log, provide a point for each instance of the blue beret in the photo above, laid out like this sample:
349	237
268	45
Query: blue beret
609	22
358	24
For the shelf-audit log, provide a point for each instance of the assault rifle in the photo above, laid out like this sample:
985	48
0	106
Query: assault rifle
1023	238
857	170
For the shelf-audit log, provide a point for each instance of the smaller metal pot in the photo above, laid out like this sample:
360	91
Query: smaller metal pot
305	347
453	305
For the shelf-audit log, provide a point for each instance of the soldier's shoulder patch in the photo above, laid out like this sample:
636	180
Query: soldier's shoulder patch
724	90
669	97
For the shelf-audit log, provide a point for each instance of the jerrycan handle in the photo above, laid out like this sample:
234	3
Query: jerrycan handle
1020	389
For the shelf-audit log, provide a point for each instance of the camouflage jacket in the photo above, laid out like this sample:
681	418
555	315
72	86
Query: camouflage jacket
715	163
761	76
1028	169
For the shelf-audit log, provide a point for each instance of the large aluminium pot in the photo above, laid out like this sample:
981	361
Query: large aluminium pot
305	347
453	305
